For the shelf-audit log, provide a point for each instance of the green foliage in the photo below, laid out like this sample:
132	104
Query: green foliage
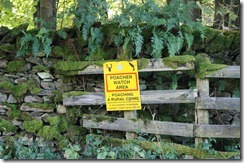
71	152
36	150
41	42
95	148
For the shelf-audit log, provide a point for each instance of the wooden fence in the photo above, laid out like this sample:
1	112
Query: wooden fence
200	96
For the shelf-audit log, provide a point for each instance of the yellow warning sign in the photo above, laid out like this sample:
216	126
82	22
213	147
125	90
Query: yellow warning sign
121	82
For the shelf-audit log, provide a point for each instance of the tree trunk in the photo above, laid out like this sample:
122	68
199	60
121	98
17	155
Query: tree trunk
47	13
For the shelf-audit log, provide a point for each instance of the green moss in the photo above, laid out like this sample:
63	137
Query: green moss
9	48
7	126
40	68
18	91
53	120
15	66
49	132
100	118
69	68
65	52
58	96
26	116
142	63
33	87
204	67
33	125
124	54
74	93
14	114
74	113
219	43
62	141
43	106
176	61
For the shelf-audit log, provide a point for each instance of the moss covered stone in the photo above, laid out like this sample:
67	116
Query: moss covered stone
219	43
33	125
142	63
64	52
41	106
40	68
59	121
15	66
72	67
7	126
18	91
176	61
14	114
26	116
49	132
9	48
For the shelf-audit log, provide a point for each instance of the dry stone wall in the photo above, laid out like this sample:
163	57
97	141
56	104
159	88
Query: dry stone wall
31	97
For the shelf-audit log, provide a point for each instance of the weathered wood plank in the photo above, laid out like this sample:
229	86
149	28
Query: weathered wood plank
138	125
147	97
217	131
130	115
153	65
227	72
219	103
201	116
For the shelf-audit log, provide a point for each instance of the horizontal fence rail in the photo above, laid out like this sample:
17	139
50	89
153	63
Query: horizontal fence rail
217	131
227	72
147	97
218	103
152	65
159	127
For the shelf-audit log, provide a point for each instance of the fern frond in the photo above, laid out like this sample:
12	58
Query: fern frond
189	40
47	46
35	46
157	45
118	39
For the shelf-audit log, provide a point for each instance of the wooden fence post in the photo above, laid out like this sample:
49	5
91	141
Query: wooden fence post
130	114
201	116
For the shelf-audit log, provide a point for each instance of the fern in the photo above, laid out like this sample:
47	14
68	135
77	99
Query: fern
189	39
157	44
95	40
138	40
118	39
62	34
174	44
35	43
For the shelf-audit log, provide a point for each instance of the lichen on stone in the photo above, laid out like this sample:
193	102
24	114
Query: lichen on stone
32	126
